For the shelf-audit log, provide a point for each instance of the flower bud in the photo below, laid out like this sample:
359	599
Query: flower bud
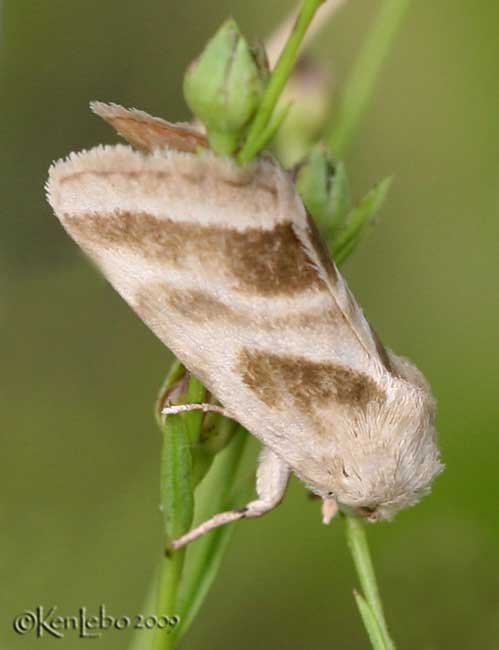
324	190
223	87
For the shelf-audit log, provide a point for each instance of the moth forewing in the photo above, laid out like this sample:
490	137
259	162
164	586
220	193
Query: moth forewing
226	268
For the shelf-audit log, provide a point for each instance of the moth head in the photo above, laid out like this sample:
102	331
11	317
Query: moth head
393	461
371	513
379	493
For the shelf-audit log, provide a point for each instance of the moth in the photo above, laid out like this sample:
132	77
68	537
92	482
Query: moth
226	267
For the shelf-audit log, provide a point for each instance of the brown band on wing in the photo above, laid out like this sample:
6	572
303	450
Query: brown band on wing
193	304
154	298
307	382
272	261
263	262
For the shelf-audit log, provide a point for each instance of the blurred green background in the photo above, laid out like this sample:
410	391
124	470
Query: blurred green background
79	371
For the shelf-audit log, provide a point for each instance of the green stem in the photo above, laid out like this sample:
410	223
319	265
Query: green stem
359	87
169	579
278	79
357	541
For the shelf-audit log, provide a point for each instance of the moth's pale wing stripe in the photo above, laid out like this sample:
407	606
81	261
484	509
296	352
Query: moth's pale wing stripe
147	132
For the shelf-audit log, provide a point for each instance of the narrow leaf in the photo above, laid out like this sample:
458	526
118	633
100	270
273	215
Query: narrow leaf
358	220
370	623
195	395
175	373
177	502
205	556
265	136
312	185
339	198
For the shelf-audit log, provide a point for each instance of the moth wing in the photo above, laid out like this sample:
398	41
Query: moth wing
147	132
224	266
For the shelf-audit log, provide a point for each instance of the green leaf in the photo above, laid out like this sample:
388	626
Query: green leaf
358	89
196	394
272	127
370	623
205	571
177	501
141	637
175	373
205	556
357	221
312	184
339	196
217	436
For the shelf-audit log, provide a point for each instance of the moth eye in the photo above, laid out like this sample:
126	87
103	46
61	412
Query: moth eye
330	494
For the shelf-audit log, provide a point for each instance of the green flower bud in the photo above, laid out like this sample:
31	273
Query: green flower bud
324	190
223	87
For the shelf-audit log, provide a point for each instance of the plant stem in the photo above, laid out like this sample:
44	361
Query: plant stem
275	43
169	579
360	84
357	541
278	79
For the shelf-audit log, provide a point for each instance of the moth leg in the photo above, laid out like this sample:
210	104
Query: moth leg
271	482
174	409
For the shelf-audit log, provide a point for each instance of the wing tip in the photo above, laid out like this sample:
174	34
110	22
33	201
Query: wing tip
101	157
